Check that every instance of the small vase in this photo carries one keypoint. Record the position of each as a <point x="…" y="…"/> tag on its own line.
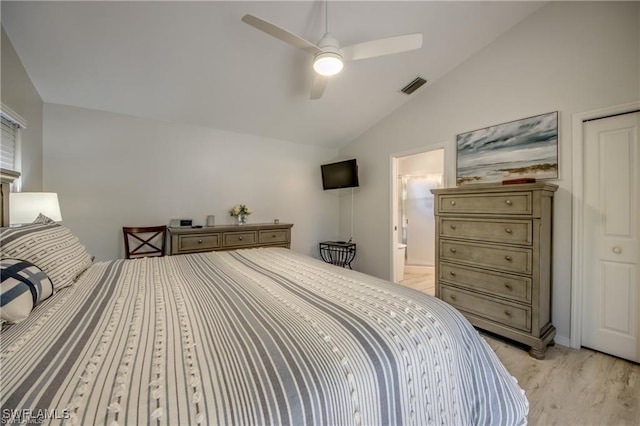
<point x="242" y="219"/>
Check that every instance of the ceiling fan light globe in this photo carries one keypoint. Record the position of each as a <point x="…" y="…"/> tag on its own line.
<point x="328" y="64"/>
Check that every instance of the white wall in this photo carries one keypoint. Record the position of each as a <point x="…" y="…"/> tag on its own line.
<point x="19" y="94"/>
<point x="430" y="162"/>
<point x="568" y="57"/>
<point x="427" y="169"/>
<point x="114" y="170"/>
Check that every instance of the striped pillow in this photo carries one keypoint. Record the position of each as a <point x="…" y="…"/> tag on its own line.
<point x="51" y="246"/>
<point x="24" y="285"/>
<point x="42" y="219"/>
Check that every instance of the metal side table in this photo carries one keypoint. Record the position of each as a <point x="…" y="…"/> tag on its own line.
<point x="338" y="253"/>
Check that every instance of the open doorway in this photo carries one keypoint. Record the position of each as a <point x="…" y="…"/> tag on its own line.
<point x="414" y="222"/>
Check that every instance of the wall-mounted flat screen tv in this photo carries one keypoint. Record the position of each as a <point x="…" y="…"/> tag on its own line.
<point x="343" y="174"/>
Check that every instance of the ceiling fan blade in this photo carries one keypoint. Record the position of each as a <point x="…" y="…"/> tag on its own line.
<point x="280" y="33"/>
<point x="319" y="84"/>
<point x="381" y="47"/>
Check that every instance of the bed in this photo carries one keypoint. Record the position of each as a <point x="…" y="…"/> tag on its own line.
<point x="261" y="336"/>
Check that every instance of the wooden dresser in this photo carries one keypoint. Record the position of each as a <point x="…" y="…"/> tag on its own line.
<point x="493" y="258"/>
<point x="229" y="237"/>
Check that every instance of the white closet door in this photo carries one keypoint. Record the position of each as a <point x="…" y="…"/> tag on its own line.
<point x="611" y="240"/>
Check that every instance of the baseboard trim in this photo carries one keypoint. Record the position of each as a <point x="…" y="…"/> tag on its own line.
<point x="563" y="341"/>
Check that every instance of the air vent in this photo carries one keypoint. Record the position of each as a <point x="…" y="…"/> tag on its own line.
<point x="413" y="86"/>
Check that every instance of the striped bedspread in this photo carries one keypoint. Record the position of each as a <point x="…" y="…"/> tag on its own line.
<point x="250" y="337"/>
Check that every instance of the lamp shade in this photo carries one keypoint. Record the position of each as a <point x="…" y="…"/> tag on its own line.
<point x="24" y="207"/>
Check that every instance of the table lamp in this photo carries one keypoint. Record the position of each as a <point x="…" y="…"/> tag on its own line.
<point x="24" y="207"/>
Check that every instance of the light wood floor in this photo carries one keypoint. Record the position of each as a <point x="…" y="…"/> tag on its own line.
<point x="421" y="278"/>
<point x="577" y="387"/>
<point x="574" y="386"/>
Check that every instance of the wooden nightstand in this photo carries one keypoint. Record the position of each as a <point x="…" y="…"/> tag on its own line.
<point x="229" y="237"/>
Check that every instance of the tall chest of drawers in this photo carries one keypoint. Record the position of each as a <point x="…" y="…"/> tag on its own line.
<point x="493" y="258"/>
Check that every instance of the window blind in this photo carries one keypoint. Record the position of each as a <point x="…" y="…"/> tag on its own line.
<point x="8" y="144"/>
<point x="11" y="123"/>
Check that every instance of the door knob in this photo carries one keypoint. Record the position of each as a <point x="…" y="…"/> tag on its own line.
<point x="617" y="250"/>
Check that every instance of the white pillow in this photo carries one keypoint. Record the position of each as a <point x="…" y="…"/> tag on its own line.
<point x="42" y="219"/>
<point x="51" y="247"/>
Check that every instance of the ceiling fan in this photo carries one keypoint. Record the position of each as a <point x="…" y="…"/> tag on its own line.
<point x="328" y="56"/>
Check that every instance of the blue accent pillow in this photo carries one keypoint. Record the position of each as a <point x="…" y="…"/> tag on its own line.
<point x="24" y="285"/>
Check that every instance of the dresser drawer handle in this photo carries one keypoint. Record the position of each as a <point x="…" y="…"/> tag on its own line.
<point x="508" y="287"/>
<point x="453" y="203"/>
<point x="199" y="241"/>
<point x="508" y="313"/>
<point x="453" y="297"/>
<point x="273" y="236"/>
<point x="240" y="238"/>
<point x="508" y="258"/>
<point x="508" y="202"/>
<point x="452" y="249"/>
<point x="452" y="226"/>
<point x="453" y="274"/>
<point x="508" y="230"/>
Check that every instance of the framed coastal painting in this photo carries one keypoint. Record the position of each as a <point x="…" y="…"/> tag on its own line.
<point x="515" y="151"/>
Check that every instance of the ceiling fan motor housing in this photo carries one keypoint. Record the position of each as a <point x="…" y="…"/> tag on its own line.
<point x="328" y="61"/>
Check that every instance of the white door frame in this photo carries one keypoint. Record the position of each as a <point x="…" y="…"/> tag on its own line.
<point x="577" y="265"/>
<point x="449" y="167"/>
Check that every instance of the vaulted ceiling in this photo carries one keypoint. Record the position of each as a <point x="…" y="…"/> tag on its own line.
<point x="197" y="63"/>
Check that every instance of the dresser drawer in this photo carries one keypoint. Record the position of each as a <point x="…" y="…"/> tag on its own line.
<point x="512" y="259"/>
<point x="235" y="239"/>
<point x="502" y="285"/>
<point x="230" y="237"/>
<point x="499" y="203"/>
<point x="198" y="242"/>
<point x="272" y="236"/>
<point x="513" y="316"/>
<point x="504" y="231"/>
